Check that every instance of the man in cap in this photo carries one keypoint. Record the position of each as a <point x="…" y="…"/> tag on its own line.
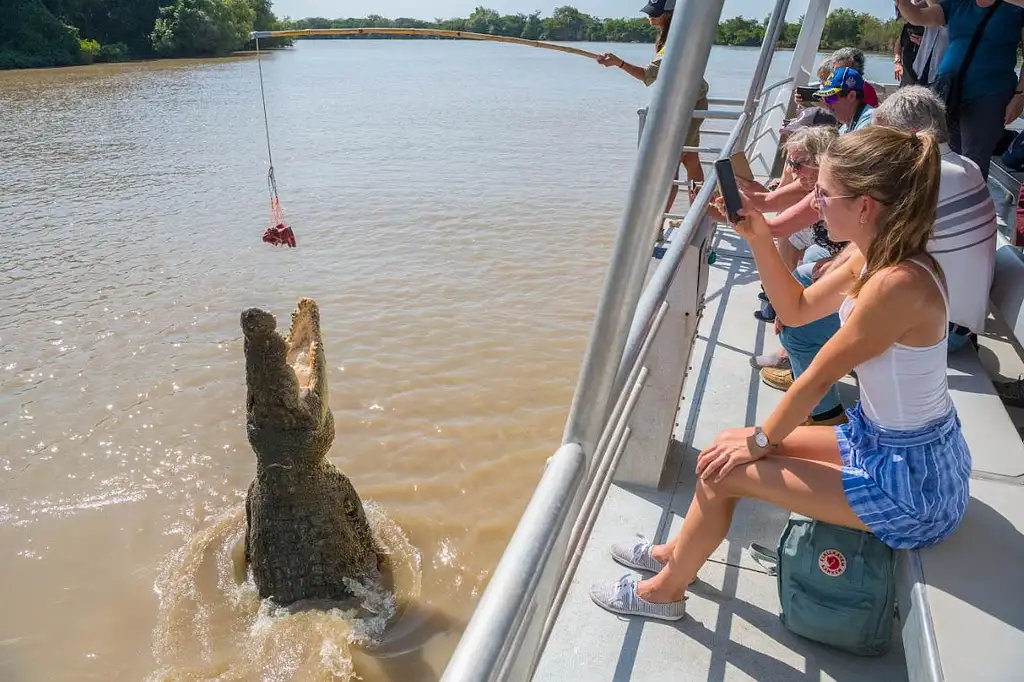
<point x="843" y="95"/>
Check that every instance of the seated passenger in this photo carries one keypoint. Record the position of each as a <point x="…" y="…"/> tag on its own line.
<point x="901" y="468"/>
<point x="964" y="237"/>
<point x="854" y="58"/>
<point x="806" y="253"/>
<point x="843" y="95"/>
<point x="963" y="241"/>
<point x="824" y="69"/>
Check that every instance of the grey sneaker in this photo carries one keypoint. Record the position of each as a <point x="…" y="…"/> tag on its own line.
<point x="620" y="597"/>
<point x="636" y="555"/>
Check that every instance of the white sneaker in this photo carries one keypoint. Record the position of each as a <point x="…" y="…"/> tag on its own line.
<point x="620" y="597"/>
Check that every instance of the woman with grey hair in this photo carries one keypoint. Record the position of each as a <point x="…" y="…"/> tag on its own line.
<point x="854" y="58"/>
<point x="805" y="252"/>
<point x="915" y="108"/>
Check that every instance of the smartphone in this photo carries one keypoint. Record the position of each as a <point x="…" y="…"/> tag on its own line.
<point x="728" y="189"/>
<point x="806" y="92"/>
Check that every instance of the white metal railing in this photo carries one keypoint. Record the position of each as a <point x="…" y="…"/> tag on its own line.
<point x="515" y="616"/>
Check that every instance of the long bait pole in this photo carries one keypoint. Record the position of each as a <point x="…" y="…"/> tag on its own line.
<point x="435" y="32"/>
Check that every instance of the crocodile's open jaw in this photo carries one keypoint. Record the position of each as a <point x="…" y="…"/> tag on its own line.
<point x="303" y="341"/>
<point x="286" y="378"/>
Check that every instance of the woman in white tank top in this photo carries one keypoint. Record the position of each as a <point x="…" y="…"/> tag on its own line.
<point x="900" y="468"/>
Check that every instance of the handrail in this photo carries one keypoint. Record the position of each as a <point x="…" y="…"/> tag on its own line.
<point x="764" y="58"/>
<point x="505" y="638"/>
<point x="487" y="648"/>
<point x="661" y="281"/>
<point x="776" y="85"/>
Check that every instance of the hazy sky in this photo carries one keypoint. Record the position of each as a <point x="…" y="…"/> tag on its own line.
<point x="431" y="9"/>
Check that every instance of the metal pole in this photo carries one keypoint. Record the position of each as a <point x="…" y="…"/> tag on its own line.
<point x="657" y="288"/>
<point x="764" y="61"/>
<point x="679" y="81"/>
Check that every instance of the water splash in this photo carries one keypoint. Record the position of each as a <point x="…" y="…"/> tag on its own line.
<point x="212" y="626"/>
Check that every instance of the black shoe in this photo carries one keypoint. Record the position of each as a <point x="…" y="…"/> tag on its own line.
<point x="763" y="296"/>
<point x="766" y="315"/>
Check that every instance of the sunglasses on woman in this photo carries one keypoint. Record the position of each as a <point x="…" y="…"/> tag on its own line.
<point x="797" y="165"/>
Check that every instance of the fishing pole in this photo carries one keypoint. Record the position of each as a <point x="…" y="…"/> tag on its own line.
<point x="435" y="32"/>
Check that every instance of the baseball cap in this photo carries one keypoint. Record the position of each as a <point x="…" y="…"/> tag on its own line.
<point x="811" y="116"/>
<point x="844" y="78"/>
<point x="655" y="8"/>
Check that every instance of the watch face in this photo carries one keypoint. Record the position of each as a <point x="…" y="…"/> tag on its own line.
<point x="761" y="439"/>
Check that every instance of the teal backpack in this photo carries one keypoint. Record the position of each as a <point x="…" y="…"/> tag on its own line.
<point x="837" y="585"/>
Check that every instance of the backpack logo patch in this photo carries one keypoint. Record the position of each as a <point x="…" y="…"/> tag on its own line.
<point x="832" y="563"/>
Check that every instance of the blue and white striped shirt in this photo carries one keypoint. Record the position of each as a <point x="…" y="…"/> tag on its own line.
<point x="964" y="239"/>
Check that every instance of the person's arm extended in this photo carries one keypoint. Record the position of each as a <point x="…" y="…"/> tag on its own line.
<point x="795" y="218"/>
<point x="642" y="74"/>
<point x="887" y="307"/>
<point x="781" y="199"/>
<point x="932" y="15"/>
<point x="795" y="305"/>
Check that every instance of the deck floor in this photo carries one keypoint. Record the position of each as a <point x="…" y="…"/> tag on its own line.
<point x="731" y="631"/>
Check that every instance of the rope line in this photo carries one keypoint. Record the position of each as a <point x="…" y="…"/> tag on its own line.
<point x="271" y="180"/>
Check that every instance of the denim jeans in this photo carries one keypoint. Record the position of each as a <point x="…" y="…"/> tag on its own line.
<point x="803" y="343"/>
<point x="978" y="128"/>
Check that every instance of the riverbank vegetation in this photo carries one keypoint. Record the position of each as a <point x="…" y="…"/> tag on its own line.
<point x="68" y="32"/>
<point x="843" y="28"/>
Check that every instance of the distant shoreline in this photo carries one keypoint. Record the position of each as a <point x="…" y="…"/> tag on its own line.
<point x="240" y="54"/>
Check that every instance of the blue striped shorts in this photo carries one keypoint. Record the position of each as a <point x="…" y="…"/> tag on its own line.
<point x="910" y="488"/>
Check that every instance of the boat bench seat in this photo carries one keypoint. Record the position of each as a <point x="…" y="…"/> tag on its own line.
<point x="961" y="601"/>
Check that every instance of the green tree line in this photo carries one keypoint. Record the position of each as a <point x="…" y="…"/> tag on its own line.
<point x="843" y="28"/>
<point x="40" y="33"/>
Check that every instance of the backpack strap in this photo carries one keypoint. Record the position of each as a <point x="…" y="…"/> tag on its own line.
<point x="766" y="558"/>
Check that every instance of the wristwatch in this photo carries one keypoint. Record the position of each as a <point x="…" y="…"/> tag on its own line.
<point x="761" y="439"/>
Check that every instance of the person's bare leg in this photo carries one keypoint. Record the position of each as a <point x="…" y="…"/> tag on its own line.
<point x="815" y="444"/>
<point x="694" y="170"/>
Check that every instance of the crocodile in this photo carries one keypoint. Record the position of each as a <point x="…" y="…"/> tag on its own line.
<point x="307" y="535"/>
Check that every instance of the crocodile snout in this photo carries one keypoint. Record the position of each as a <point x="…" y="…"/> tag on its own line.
<point x="257" y="323"/>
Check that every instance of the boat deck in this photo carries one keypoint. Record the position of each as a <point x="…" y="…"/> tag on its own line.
<point x="731" y="631"/>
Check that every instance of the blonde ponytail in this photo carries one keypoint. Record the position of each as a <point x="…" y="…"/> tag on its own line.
<point x="901" y="172"/>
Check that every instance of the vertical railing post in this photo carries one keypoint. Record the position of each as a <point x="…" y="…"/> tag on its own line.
<point x="686" y="55"/>
<point x="803" y="64"/>
<point x="764" y="63"/>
